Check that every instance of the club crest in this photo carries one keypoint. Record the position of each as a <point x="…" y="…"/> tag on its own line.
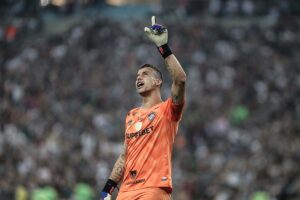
<point x="151" y="116"/>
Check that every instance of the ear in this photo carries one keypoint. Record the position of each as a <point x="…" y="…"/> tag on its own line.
<point x="158" y="81"/>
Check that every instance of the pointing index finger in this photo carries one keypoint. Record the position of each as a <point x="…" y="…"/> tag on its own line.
<point x="153" y="20"/>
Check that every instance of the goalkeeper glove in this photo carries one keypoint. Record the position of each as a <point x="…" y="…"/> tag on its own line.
<point x="159" y="35"/>
<point x="108" y="189"/>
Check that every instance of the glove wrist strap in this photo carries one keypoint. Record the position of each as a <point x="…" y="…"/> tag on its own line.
<point x="110" y="186"/>
<point x="164" y="50"/>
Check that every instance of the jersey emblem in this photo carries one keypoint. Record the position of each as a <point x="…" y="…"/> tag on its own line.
<point x="138" y="126"/>
<point x="129" y="122"/>
<point x="132" y="174"/>
<point x="151" y="116"/>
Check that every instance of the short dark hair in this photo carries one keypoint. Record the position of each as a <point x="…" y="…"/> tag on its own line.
<point x="157" y="71"/>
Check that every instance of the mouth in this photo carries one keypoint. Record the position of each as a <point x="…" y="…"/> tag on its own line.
<point x="140" y="84"/>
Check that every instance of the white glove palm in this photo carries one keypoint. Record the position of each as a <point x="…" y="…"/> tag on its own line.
<point x="157" y="33"/>
<point x="105" y="196"/>
<point x="108" y="197"/>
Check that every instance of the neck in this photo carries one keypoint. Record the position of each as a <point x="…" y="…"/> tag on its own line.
<point x="151" y="100"/>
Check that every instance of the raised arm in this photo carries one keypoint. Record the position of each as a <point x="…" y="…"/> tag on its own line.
<point x="159" y="35"/>
<point x="178" y="76"/>
<point x="115" y="176"/>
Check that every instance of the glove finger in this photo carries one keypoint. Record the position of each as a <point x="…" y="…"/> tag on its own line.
<point x="147" y="30"/>
<point x="153" y="20"/>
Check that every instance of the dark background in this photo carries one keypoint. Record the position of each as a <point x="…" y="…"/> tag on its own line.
<point x="68" y="79"/>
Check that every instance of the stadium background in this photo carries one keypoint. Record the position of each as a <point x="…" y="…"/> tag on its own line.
<point x="67" y="80"/>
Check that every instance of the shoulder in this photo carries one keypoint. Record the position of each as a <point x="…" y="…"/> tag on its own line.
<point x="167" y="102"/>
<point x="132" y="112"/>
<point x="170" y="102"/>
<point x="163" y="106"/>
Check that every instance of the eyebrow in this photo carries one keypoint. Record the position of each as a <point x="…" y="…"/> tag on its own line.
<point x="145" y="71"/>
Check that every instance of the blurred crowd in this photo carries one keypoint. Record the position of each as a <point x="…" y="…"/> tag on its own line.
<point x="190" y="7"/>
<point x="64" y="99"/>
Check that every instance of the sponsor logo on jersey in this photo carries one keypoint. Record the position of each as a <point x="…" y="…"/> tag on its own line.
<point x="164" y="178"/>
<point x="140" y="133"/>
<point x="135" y="181"/>
<point x="138" y="126"/>
<point x="151" y="116"/>
<point x="132" y="174"/>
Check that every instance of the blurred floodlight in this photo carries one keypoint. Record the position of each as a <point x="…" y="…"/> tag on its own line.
<point x="44" y="2"/>
<point x="116" y="2"/>
<point x="124" y="2"/>
<point x="58" y="2"/>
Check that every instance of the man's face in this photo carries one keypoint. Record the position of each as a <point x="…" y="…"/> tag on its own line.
<point x="146" y="81"/>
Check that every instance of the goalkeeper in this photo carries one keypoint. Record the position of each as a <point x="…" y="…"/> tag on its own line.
<point x="145" y="165"/>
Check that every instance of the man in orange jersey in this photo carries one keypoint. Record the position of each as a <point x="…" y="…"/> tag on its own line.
<point x="145" y="163"/>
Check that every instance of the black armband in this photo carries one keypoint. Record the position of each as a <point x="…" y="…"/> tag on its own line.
<point x="164" y="50"/>
<point x="110" y="186"/>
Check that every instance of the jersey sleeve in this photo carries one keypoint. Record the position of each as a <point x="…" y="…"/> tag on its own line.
<point x="173" y="111"/>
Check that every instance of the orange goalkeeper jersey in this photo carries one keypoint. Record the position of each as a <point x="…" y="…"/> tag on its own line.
<point x="149" y="135"/>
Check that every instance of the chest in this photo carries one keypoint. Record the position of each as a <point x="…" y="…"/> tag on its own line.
<point x="143" y="121"/>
